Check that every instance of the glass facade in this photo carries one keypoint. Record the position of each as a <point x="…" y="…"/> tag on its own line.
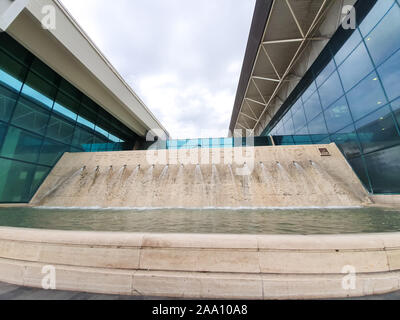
<point x="211" y="143"/>
<point x="354" y="101"/>
<point x="41" y="117"/>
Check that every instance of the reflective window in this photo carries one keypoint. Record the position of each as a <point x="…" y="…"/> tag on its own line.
<point x="7" y="103"/>
<point x="366" y="97"/>
<point x="390" y="75"/>
<point x="331" y="90"/>
<point x="312" y="107"/>
<point x="338" y="116"/>
<point x="348" y="47"/>
<point x="351" y="76"/>
<point x="384" y="40"/>
<point x="30" y="116"/>
<point x="364" y="121"/>
<point x="41" y="117"/>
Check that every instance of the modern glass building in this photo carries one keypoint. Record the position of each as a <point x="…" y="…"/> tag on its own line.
<point x="42" y="116"/>
<point x="350" y="95"/>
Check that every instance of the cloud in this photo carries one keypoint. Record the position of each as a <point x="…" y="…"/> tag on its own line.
<point x="182" y="57"/>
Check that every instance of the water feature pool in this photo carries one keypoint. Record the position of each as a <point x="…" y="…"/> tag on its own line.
<point x="210" y="221"/>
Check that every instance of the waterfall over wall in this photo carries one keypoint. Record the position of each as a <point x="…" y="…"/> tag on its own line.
<point x="284" y="176"/>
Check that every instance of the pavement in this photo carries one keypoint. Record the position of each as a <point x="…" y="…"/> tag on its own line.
<point x="13" y="292"/>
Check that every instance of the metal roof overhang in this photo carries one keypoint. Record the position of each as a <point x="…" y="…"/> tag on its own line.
<point x="285" y="39"/>
<point x="71" y="53"/>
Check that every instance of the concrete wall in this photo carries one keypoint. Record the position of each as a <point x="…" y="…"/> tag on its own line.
<point x="287" y="176"/>
<point x="202" y="266"/>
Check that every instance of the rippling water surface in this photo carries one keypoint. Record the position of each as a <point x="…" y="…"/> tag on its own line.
<point x="239" y="221"/>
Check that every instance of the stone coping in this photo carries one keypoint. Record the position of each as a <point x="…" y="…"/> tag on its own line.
<point x="201" y="265"/>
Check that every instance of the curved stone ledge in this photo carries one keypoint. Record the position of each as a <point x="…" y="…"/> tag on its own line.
<point x="202" y="266"/>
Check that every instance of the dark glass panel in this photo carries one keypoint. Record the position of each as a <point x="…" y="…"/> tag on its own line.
<point x="338" y="116"/>
<point x="45" y="72"/>
<point x="396" y="109"/>
<point x="15" y="181"/>
<point x="68" y="89"/>
<point x="51" y="152"/>
<point x="59" y="129"/>
<point x="390" y="75"/>
<point x="14" y="49"/>
<point x="312" y="107"/>
<point x="283" y="140"/>
<point x="40" y="174"/>
<point x="331" y="90"/>
<point x="384" y="40"/>
<point x="359" y="168"/>
<point x="21" y="145"/>
<point x="366" y="97"/>
<point x="302" y="139"/>
<point x="355" y="68"/>
<point x="377" y="131"/>
<point x="347" y="141"/>
<point x="7" y="103"/>
<point x="12" y="73"/>
<point x="66" y="107"/>
<point x="82" y="138"/>
<point x="29" y="116"/>
<point x="384" y="170"/>
<point x="3" y="130"/>
<point x="39" y="91"/>
<point x="88" y="114"/>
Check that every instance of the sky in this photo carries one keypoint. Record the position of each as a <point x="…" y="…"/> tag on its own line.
<point x="182" y="57"/>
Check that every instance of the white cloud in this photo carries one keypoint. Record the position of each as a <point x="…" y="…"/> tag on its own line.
<point x="182" y="57"/>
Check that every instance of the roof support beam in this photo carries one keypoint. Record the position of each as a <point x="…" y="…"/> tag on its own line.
<point x="254" y="101"/>
<point x="266" y="79"/>
<point x="295" y="40"/>
<point x="295" y="18"/>
<point x="247" y="116"/>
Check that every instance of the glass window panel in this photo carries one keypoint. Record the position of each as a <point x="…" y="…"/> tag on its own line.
<point x="396" y="110"/>
<point x="14" y="49"/>
<point x="3" y="129"/>
<point x="68" y="89"/>
<point x="302" y="131"/>
<point x="331" y="90"/>
<point x="289" y="127"/>
<point x="320" y="139"/>
<point x="376" y="14"/>
<point x="15" y="181"/>
<point x="51" y="152"/>
<point x="29" y="116"/>
<point x="302" y="139"/>
<point x="347" y="141"/>
<point x="7" y="103"/>
<point x="60" y="129"/>
<point x="297" y="107"/>
<point x="384" y="40"/>
<point x="21" y="145"/>
<point x="338" y="116"/>
<point x="11" y="73"/>
<point x="348" y="47"/>
<point x="378" y="131"/>
<point x="390" y="75"/>
<point x="66" y="107"/>
<point x="40" y="174"/>
<point x="387" y="180"/>
<point x="318" y="126"/>
<point x="366" y="97"/>
<point x="45" y="72"/>
<point x="283" y="140"/>
<point x="39" y="91"/>
<point x="82" y="138"/>
<point x="355" y="68"/>
<point x="359" y="168"/>
<point x="325" y="73"/>
<point x="312" y="107"/>
<point x="299" y="120"/>
<point x="310" y="90"/>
